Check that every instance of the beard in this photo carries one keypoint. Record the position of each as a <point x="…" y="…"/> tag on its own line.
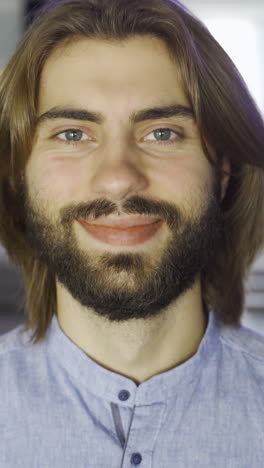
<point x="127" y="285"/>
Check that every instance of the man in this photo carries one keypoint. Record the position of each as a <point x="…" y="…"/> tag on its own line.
<point x="131" y="181"/>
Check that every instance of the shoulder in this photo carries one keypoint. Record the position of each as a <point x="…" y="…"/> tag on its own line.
<point x="15" y="346"/>
<point x="23" y="365"/>
<point x="244" y="341"/>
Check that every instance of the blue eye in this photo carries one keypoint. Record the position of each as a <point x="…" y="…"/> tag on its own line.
<point x="72" y="136"/>
<point x="165" y="134"/>
<point x="162" y="136"/>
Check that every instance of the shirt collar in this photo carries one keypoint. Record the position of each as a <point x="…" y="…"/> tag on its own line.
<point x="107" y="385"/>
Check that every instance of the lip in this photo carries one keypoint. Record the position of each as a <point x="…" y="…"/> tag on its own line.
<point x="122" y="236"/>
<point x="122" y="222"/>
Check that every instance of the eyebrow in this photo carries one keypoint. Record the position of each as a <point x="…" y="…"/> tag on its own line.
<point x="154" y="113"/>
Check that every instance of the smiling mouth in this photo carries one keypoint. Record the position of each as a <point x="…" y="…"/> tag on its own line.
<point x="122" y="235"/>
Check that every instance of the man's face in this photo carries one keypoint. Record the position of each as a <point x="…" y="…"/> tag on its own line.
<point x="140" y="171"/>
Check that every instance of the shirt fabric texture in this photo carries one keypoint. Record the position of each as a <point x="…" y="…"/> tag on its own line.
<point x="61" y="409"/>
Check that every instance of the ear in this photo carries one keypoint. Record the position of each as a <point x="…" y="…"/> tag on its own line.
<point x="225" y="177"/>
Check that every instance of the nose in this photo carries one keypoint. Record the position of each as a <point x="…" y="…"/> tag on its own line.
<point x="119" y="175"/>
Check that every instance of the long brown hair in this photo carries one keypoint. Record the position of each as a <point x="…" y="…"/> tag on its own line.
<point x="226" y="115"/>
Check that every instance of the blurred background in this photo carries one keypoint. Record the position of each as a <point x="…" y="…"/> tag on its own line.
<point x="238" y="25"/>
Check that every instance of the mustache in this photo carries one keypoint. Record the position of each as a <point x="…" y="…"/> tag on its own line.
<point x="134" y="205"/>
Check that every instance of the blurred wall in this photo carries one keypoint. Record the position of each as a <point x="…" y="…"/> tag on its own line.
<point x="11" y="27"/>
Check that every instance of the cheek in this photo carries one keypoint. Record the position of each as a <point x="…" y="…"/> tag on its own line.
<point x="185" y="180"/>
<point x="56" y="183"/>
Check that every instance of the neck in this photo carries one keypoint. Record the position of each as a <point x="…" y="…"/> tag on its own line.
<point x="137" y="349"/>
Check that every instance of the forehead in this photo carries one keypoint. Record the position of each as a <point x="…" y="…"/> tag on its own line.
<point x="120" y="73"/>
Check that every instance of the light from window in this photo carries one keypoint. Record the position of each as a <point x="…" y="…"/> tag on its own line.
<point x="239" y="38"/>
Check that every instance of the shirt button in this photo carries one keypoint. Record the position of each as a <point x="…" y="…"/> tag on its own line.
<point x="123" y="395"/>
<point x="136" y="459"/>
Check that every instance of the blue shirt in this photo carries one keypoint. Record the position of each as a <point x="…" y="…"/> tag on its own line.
<point x="60" y="409"/>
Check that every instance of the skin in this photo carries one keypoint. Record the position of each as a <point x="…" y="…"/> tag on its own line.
<point x="117" y="79"/>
